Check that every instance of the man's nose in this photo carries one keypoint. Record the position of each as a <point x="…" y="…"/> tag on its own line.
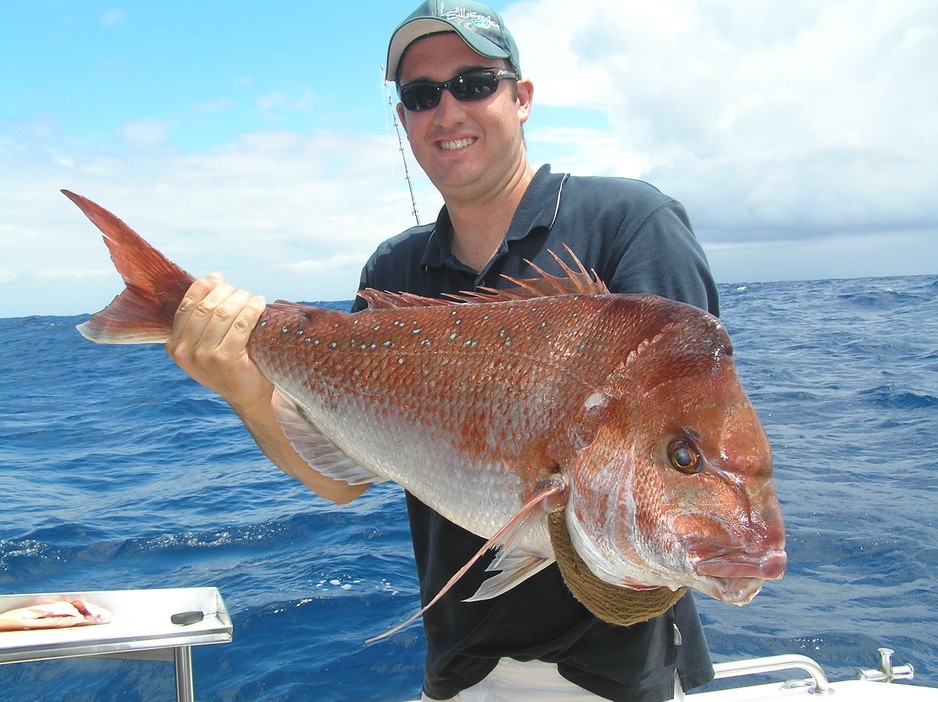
<point x="449" y="110"/>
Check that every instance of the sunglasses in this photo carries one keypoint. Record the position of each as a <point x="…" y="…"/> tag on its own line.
<point x="471" y="85"/>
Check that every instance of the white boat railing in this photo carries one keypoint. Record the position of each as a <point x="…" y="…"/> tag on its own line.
<point x="756" y="666"/>
<point x="770" y="664"/>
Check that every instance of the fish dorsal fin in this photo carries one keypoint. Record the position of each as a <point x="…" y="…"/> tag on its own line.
<point x="297" y="307"/>
<point x="309" y="312"/>
<point x="577" y="281"/>
<point x="379" y="300"/>
<point x="318" y="452"/>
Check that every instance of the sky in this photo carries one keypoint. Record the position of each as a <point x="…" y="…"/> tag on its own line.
<point x="257" y="140"/>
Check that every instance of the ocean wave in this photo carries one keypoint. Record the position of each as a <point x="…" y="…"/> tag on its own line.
<point x="890" y="397"/>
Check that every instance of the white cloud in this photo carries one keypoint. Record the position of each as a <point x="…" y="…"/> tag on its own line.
<point x="779" y="120"/>
<point x="286" y="215"/>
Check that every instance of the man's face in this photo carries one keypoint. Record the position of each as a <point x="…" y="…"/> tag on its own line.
<point x="468" y="149"/>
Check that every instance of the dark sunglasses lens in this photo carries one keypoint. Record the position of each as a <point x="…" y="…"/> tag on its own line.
<point x="474" y="86"/>
<point x="421" y="96"/>
<point x="469" y="86"/>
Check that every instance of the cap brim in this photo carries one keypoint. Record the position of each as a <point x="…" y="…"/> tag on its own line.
<point x="408" y="33"/>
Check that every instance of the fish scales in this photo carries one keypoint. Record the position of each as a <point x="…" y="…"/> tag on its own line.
<point x="522" y="371"/>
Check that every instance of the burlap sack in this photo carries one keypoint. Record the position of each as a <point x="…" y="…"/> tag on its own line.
<point x="615" y="605"/>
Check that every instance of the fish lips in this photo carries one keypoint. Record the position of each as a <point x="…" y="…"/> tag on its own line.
<point x="735" y="576"/>
<point x="738" y="563"/>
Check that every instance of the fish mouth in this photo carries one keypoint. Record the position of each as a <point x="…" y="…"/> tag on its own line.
<point x="737" y="591"/>
<point x="735" y="575"/>
<point x="739" y="563"/>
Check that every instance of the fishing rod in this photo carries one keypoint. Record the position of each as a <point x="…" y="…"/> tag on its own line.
<point x="400" y="146"/>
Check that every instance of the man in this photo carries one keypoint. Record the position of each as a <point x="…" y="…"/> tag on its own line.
<point x="463" y="105"/>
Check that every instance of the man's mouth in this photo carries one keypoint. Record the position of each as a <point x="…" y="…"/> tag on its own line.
<point x="456" y="144"/>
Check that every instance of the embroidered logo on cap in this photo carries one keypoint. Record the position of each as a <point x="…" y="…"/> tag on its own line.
<point x="480" y="21"/>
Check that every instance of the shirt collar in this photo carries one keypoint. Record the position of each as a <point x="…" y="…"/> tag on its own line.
<point x="538" y="208"/>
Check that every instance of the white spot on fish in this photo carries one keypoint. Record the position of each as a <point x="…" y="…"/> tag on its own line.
<point x="597" y="399"/>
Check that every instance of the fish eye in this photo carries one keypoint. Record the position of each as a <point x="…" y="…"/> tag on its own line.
<point x="684" y="456"/>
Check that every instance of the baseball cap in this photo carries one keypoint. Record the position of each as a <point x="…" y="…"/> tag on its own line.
<point x="478" y="25"/>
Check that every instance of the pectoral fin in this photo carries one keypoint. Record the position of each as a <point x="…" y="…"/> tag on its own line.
<point x="320" y="453"/>
<point x="516" y="566"/>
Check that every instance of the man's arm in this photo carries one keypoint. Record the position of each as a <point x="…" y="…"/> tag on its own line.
<point x="209" y="342"/>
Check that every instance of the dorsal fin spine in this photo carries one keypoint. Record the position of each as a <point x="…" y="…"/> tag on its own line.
<point x="576" y="282"/>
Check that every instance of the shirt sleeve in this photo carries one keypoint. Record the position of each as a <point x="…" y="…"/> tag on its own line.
<point x="661" y="256"/>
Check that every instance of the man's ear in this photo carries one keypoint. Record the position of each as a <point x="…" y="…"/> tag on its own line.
<point x="525" y="99"/>
<point x="402" y="116"/>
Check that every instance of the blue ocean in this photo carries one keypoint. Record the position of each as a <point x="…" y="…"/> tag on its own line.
<point x="118" y="472"/>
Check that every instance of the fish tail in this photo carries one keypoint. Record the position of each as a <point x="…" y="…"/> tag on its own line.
<point x="143" y="313"/>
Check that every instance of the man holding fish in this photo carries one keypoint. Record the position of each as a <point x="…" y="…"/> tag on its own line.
<point x="463" y="102"/>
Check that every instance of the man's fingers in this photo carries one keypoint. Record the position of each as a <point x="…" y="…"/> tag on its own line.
<point x="244" y="311"/>
<point x="190" y="305"/>
<point x="213" y="316"/>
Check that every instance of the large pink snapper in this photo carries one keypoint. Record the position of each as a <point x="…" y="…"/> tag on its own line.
<point x="625" y="409"/>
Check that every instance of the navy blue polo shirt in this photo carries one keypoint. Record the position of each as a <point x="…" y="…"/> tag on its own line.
<point x="638" y="241"/>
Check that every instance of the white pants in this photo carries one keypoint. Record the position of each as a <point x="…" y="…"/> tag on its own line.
<point x="533" y="681"/>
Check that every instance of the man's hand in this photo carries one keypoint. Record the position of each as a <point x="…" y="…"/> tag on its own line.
<point x="209" y="342"/>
